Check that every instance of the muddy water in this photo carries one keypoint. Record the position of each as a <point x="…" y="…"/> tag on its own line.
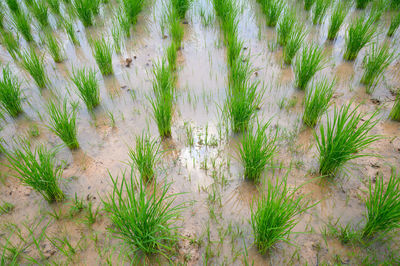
<point x="218" y="217"/>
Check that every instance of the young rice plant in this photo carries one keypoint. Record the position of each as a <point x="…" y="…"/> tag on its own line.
<point x="10" y="93"/>
<point x="88" y="87"/>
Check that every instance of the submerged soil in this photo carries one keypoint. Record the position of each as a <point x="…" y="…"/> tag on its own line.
<point x="216" y="222"/>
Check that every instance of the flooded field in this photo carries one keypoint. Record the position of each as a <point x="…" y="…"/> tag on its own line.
<point x="200" y="160"/>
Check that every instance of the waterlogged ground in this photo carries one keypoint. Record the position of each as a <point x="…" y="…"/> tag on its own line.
<point x="216" y="222"/>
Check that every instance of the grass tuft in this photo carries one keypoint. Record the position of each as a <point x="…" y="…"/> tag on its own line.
<point x="285" y="26"/>
<point x="320" y="9"/>
<point x="308" y="62"/>
<point x="337" y="17"/>
<point x="132" y="9"/>
<point x="383" y="206"/>
<point x="273" y="10"/>
<point x="70" y="30"/>
<point x="54" y="6"/>
<point x="294" y="42"/>
<point x="54" y="48"/>
<point x="362" y="4"/>
<point x="63" y="123"/>
<point x="181" y="7"/>
<point x="37" y="169"/>
<point x="145" y="156"/>
<point x="10" y="93"/>
<point x="143" y="219"/>
<point x="395" y="113"/>
<point x="102" y="52"/>
<point x="34" y="64"/>
<point x="88" y="87"/>
<point x="360" y="32"/>
<point x="316" y="101"/>
<point x="394" y="24"/>
<point x="84" y="11"/>
<point x="276" y="214"/>
<point x="308" y="4"/>
<point x="256" y="151"/>
<point x="172" y="56"/>
<point x="10" y="43"/>
<point x="343" y="138"/>
<point x="14" y="6"/>
<point x="375" y="63"/>
<point x="175" y="28"/>
<point x="22" y="22"/>
<point x="40" y="12"/>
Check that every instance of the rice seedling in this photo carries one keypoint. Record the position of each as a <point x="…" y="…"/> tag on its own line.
<point x="10" y="93"/>
<point x="321" y="6"/>
<point x="285" y="26"/>
<point x="164" y="94"/>
<point x="337" y="17"/>
<point x="116" y="34"/>
<point x="6" y="207"/>
<point x="21" y="22"/>
<point x="13" y="5"/>
<point x="84" y="11"/>
<point x="88" y="87"/>
<point x="124" y="22"/>
<point x="239" y="73"/>
<point x="344" y="137"/>
<point x="143" y="219"/>
<point x="360" y="32"/>
<point x="54" y="48"/>
<point x="362" y="4"/>
<point x="175" y="28"/>
<point x="40" y="12"/>
<point x="275" y="214"/>
<point x="95" y="7"/>
<point x="145" y="156"/>
<point x="2" y="15"/>
<point x="34" y="64"/>
<point x="308" y="62"/>
<point x="10" y="43"/>
<point x="132" y="9"/>
<point x="63" y="123"/>
<point x="375" y="63"/>
<point x="308" y="4"/>
<point x="395" y="113"/>
<point x="273" y="10"/>
<point x="293" y="44"/>
<point x="102" y="52"/>
<point x="256" y="151"/>
<point x="37" y="169"/>
<point x="383" y="206"/>
<point x="54" y="6"/>
<point x="394" y="24"/>
<point x="234" y="49"/>
<point x="70" y="30"/>
<point x="377" y="9"/>
<point x="172" y="56"/>
<point x="316" y="101"/>
<point x="181" y="7"/>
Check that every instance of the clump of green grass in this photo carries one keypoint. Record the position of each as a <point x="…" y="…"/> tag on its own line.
<point x="37" y="169"/>
<point x="54" y="6"/>
<point x="116" y="34"/>
<point x="234" y="48"/>
<point x="337" y="17"/>
<point x="143" y="219"/>
<point x="102" y="52"/>
<point x="88" y="87"/>
<point x="40" y="12"/>
<point x="181" y="7"/>
<point x="175" y="28"/>
<point x="360" y="32"/>
<point x="394" y="24"/>
<point x="54" y="48"/>
<point x="321" y="6"/>
<point x="84" y="11"/>
<point x="395" y="113"/>
<point x="70" y="30"/>
<point x="10" y="43"/>
<point x="383" y="206"/>
<point x="308" y="4"/>
<point x="378" y="8"/>
<point x="124" y="22"/>
<point x="273" y="10"/>
<point x="132" y="9"/>
<point x="14" y="6"/>
<point x="275" y="214"/>
<point x="145" y="156"/>
<point x="95" y="7"/>
<point x="34" y="64"/>
<point x="2" y="15"/>
<point x="309" y="61"/>
<point x="63" y="123"/>
<point x="362" y="4"/>
<point x="293" y="44"/>
<point x="256" y="151"/>
<point x="343" y="138"/>
<point x="21" y="22"/>
<point x="6" y="207"/>
<point x="10" y="93"/>
<point x="316" y="101"/>
<point x="162" y="104"/>
<point x="285" y="26"/>
<point x="172" y="56"/>
<point x="375" y="63"/>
